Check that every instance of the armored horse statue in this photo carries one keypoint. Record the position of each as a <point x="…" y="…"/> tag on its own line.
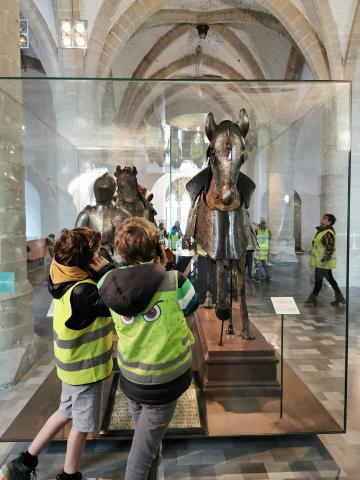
<point x="132" y="200"/>
<point x="218" y="219"/>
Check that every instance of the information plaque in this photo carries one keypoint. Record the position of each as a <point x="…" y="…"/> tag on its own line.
<point x="285" y="306"/>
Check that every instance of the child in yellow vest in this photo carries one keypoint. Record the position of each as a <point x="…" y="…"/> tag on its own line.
<point x="323" y="258"/>
<point x="148" y="305"/>
<point x="262" y="251"/>
<point x="83" y="352"/>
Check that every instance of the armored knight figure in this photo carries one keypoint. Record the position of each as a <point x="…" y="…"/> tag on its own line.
<point x="104" y="216"/>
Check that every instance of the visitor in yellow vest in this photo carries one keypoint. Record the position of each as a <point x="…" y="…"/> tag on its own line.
<point x="83" y="352"/>
<point x="323" y="258"/>
<point x="148" y="305"/>
<point x="176" y="235"/>
<point x="262" y="251"/>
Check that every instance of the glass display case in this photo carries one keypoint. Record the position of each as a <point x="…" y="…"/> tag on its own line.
<point x="58" y="136"/>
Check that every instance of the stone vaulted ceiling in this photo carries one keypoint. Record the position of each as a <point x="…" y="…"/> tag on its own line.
<point x="247" y="39"/>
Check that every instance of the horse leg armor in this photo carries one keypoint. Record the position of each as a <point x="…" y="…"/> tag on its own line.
<point x="246" y="331"/>
<point x="222" y="308"/>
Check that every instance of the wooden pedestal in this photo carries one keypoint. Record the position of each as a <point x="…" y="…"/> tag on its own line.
<point x="249" y="364"/>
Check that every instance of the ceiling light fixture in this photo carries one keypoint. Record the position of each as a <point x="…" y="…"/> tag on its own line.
<point x="202" y="30"/>
<point x="73" y="33"/>
<point x="24" y="33"/>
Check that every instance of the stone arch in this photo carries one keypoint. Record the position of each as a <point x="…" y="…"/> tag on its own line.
<point x="303" y="35"/>
<point x="352" y="51"/>
<point x="166" y="72"/>
<point x="174" y="34"/>
<point x="41" y="39"/>
<point x="286" y="13"/>
<point x="230" y="15"/>
<point x="128" y="23"/>
<point x="295" y="64"/>
<point x="181" y="63"/>
<point x="242" y="49"/>
<point x="174" y="91"/>
<point x="331" y="38"/>
<point x="98" y="35"/>
<point x="284" y="18"/>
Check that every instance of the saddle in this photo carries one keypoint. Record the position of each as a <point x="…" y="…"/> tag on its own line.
<point x="201" y="182"/>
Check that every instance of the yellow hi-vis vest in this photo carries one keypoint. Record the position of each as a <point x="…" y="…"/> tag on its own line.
<point x="81" y="356"/>
<point x="318" y="251"/>
<point x="154" y="346"/>
<point x="262" y="252"/>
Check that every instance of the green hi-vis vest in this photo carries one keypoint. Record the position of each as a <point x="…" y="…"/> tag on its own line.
<point x="175" y="237"/>
<point x="318" y="251"/>
<point x="155" y="346"/>
<point x="81" y="356"/>
<point x="262" y="252"/>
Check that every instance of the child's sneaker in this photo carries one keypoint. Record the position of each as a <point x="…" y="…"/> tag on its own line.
<point x="17" y="470"/>
<point x="63" y="476"/>
<point x="154" y="468"/>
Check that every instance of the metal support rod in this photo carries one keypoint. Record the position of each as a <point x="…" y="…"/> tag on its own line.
<point x="221" y="334"/>
<point x="230" y="330"/>
<point x="282" y="367"/>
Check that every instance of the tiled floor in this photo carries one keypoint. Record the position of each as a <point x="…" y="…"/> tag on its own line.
<point x="314" y="347"/>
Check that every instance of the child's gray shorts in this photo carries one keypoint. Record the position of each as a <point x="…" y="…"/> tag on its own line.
<point x="82" y="403"/>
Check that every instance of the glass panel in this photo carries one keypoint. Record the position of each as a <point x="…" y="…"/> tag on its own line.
<point x="67" y="133"/>
<point x="297" y="151"/>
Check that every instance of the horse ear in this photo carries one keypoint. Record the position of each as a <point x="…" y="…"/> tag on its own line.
<point x="243" y="122"/>
<point x="117" y="171"/>
<point x="210" y="126"/>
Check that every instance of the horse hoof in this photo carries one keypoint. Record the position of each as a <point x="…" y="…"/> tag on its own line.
<point x="222" y="313"/>
<point x="248" y="333"/>
<point x="208" y="301"/>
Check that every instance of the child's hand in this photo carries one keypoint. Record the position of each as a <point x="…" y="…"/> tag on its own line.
<point x="163" y="259"/>
<point x="98" y="263"/>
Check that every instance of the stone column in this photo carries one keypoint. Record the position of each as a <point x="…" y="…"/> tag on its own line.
<point x="18" y="344"/>
<point x="77" y="107"/>
<point x="258" y="173"/>
<point x="334" y="172"/>
<point x="281" y="167"/>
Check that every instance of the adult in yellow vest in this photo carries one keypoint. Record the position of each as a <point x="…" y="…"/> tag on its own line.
<point x="83" y="352"/>
<point x="262" y="251"/>
<point x="148" y="306"/>
<point x="323" y="258"/>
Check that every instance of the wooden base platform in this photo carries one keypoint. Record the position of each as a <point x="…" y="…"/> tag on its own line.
<point x="226" y="413"/>
<point x="250" y="364"/>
